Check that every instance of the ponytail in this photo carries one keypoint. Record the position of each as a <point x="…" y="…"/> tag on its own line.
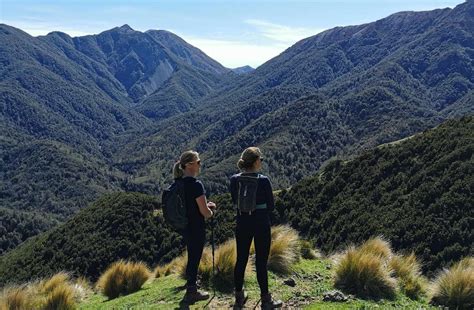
<point x="177" y="170"/>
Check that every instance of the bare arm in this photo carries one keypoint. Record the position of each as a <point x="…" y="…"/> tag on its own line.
<point x="203" y="208"/>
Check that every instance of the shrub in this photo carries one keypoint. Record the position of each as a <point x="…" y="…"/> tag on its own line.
<point x="454" y="288"/>
<point x="60" y="297"/>
<point x="364" y="273"/>
<point x="408" y="271"/>
<point x="123" y="278"/>
<point x="284" y="250"/>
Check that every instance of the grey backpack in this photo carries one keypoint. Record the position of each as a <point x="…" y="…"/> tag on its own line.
<point x="247" y="192"/>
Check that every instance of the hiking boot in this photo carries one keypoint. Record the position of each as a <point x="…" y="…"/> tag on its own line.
<point x="193" y="294"/>
<point x="240" y="299"/>
<point x="269" y="303"/>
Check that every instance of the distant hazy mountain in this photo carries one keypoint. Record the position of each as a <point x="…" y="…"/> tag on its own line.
<point x="243" y="70"/>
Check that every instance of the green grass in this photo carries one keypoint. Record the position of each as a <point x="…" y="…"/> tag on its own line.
<point x="313" y="278"/>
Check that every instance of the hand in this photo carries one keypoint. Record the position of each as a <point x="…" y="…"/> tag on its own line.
<point x="211" y="205"/>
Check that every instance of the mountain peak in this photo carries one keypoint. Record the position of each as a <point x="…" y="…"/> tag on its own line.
<point x="125" y="29"/>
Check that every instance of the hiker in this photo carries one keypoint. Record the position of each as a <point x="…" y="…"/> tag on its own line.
<point x="198" y="209"/>
<point x="253" y="198"/>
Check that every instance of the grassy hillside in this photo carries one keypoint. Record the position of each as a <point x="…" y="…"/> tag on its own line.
<point x="313" y="279"/>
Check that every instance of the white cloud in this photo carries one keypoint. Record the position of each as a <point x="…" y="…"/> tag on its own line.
<point x="39" y="28"/>
<point x="269" y="41"/>
<point x="282" y="33"/>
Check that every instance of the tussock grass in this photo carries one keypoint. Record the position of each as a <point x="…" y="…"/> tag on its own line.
<point x="454" y="287"/>
<point x="284" y="249"/>
<point x="57" y="292"/>
<point x="123" y="278"/>
<point x="47" y="286"/>
<point x="364" y="271"/>
<point x="308" y="251"/>
<point x="160" y="271"/>
<point x="225" y="259"/>
<point x="377" y="246"/>
<point x="61" y="297"/>
<point x="408" y="270"/>
<point x="15" y="298"/>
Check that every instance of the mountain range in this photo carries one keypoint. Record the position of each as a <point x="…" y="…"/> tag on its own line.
<point x="84" y="116"/>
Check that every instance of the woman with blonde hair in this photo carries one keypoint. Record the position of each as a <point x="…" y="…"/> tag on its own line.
<point x="252" y="196"/>
<point x="185" y="170"/>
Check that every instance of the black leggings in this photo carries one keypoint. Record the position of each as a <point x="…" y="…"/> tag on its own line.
<point x="195" y="237"/>
<point x="255" y="226"/>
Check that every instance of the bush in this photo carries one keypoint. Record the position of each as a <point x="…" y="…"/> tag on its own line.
<point x="284" y="250"/>
<point x="365" y="273"/>
<point x="408" y="271"/>
<point x="454" y="288"/>
<point x="123" y="278"/>
<point x="60" y="297"/>
<point x="15" y="298"/>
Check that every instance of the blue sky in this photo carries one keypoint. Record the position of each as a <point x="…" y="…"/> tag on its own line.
<point x="235" y="33"/>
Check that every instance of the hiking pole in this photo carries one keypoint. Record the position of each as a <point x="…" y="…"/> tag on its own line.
<point x="213" y="249"/>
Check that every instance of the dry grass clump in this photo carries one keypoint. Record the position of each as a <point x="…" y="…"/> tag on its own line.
<point x="284" y="249"/>
<point x="408" y="271"/>
<point x="15" y="298"/>
<point x="61" y="297"/>
<point x="364" y="271"/>
<point x="377" y="246"/>
<point x="364" y="275"/>
<point x="454" y="287"/>
<point x="308" y="251"/>
<point x="47" y="286"/>
<point x="57" y="292"/>
<point x="123" y="278"/>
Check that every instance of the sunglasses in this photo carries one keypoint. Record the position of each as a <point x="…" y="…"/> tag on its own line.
<point x="198" y="162"/>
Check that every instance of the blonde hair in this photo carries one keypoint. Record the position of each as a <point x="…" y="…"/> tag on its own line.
<point x="248" y="158"/>
<point x="185" y="158"/>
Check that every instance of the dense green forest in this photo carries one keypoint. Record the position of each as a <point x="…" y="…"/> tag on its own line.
<point x="121" y="225"/>
<point x="418" y="193"/>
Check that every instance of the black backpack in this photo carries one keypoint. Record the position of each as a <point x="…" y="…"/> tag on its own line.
<point x="174" y="206"/>
<point x="247" y="192"/>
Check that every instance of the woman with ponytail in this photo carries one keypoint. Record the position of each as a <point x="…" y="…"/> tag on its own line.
<point x="186" y="169"/>
<point x="253" y="197"/>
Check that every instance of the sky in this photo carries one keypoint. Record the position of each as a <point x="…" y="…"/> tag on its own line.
<point x="235" y="33"/>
